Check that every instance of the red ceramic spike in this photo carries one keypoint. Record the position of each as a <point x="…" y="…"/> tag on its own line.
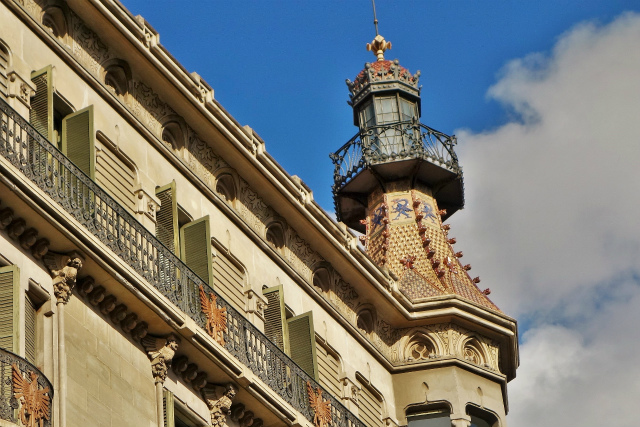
<point x="467" y="267"/>
<point x="476" y="280"/>
<point x="459" y="254"/>
<point x="452" y="241"/>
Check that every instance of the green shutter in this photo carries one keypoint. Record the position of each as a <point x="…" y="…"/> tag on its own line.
<point x="195" y="248"/>
<point x="41" y="113"/>
<point x="302" y="342"/>
<point x="9" y="308"/>
<point x="78" y="140"/>
<point x="167" y="217"/>
<point x="167" y="403"/>
<point x="275" y="324"/>
<point x="30" y="329"/>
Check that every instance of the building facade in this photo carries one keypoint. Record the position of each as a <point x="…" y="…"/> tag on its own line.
<point x="158" y="267"/>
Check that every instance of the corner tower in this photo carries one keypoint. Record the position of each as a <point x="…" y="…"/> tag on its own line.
<point x="397" y="180"/>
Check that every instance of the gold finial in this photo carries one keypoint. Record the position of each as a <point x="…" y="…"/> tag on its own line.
<point x="379" y="45"/>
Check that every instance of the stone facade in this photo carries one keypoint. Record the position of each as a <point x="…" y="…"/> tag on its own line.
<point x="118" y="348"/>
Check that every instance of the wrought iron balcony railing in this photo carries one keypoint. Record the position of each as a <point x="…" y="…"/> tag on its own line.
<point x="393" y="142"/>
<point x="26" y="395"/>
<point x="43" y="164"/>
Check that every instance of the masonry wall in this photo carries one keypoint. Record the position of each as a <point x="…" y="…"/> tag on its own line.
<point x="109" y="381"/>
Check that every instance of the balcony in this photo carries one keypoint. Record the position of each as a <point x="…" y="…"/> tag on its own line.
<point x="393" y="152"/>
<point x="26" y="395"/>
<point x="95" y="210"/>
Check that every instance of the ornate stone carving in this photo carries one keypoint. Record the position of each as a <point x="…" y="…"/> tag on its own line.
<point x="256" y="303"/>
<point x="219" y="400"/>
<point x="88" y="49"/>
<point x="321" y="408"/>
<point x="146" y="204"/>
<point x="160" y="351"/>
<point x="300" y="255"/>
<point x="252" y="208"/>
<point x="147" y="106"/>
<point x="34" y="401"/>
<point x="64" y="270"/>
<point x="216" y="317"/>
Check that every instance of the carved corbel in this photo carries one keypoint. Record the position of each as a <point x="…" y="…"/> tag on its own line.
<point x="256" y="303"/>
<point x="64" y="270"/>
<point x="219" y="399"/>
<point x="146" y="204"/>
<point x="350" y="390"/>
<point x="160" y="351"/>
<point x="20" y="89"/>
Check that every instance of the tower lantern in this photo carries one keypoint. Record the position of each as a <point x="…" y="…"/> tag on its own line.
<point x="397" y="180"/>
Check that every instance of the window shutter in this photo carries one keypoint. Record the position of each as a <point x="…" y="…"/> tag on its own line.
<point x="195" y="248"/>
<point x="167" y="404"/>
<point x="4" y="65"/>
<point x="78" y="140"/>
<point x="41" y="113"/>
<point x="370" y="406"/>
<point x="328" y="371"/>
<point x="275" y="325"/>
<point x="302" y="342"/>
<point x="30" y="329"/>
<point x="9" y="308"/>
<point x="167" y="217"/>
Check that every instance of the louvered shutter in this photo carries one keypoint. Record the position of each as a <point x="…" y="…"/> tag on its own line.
<point x="369" y="406"/>
<point x="9" y="308"/>
<point x="328" y="371"/>
<point x="302" y="342"/>
<point x="41" y="113"/>
<point x="30" y="329"/>
<point x="195" y="248"/>
<point x="167" y="408"/>
<point x="275" y="324"/>
<point x="4" y="80"/>
<point x="167" y="217"/>
<point x="78" y="140"/>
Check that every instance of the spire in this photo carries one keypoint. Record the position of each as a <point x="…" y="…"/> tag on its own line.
<point x="378" y="45"/>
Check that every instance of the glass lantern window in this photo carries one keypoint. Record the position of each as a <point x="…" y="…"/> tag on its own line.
<point x="387" y="110"/>
<point x="407" y="110"/>
<point x="367" y="115"/>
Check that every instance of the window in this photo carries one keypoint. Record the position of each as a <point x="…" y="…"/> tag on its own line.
<point x="481" y="418"/>
<point x="177" y="414"/>
<point x="189" y="240"/>
<point x="294" y="335"/>
<point x="54" y="118"/>
<point x="436" y="418"/>
<point x="387" y="110"/>
<point x="407" y="110"/>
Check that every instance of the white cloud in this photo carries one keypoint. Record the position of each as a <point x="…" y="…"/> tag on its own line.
<point x="551" y="224"/>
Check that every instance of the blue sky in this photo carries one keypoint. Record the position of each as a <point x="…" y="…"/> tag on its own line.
<point x="280" y="66"/>
<point x="545" y="99"/>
